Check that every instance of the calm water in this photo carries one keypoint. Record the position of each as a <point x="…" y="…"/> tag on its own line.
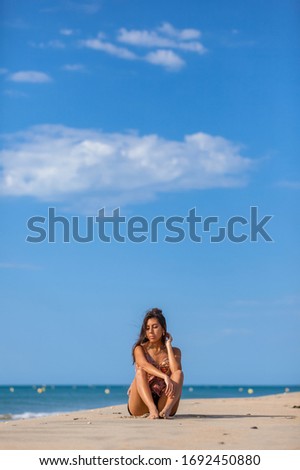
<point x="31" y="401"/>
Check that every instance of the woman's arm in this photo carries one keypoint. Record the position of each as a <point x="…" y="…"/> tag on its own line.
<point x="142" y="362"/>
<point x="174" y="355"/>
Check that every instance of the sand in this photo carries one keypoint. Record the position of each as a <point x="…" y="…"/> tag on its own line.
<point x="264" y="423"/>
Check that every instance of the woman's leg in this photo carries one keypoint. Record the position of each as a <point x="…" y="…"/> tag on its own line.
<point x="140" y="397"/>
<point x="168" y="405"/>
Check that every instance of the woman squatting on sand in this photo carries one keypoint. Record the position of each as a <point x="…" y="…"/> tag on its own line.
<point x="157" y="385"/>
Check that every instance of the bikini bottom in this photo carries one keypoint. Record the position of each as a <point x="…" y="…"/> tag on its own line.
<point x="155" y="399"/>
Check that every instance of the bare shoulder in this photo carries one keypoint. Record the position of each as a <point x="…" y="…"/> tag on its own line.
<point x="177" y="351"/>
<point x="139" y="350"/>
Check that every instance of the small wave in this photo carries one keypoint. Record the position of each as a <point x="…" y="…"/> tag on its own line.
<point x="25" y="415"/>
<point x="5" y="417"/>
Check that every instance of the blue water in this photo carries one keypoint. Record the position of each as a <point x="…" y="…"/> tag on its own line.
<point x="31" y="401"/>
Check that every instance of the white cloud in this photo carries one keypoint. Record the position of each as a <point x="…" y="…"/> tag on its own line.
<point x="165" y="36"/>
<point x="166" y="58"/>
<point x="53" y="163"/>
<point x="67" y="32"/>
<point x="162" y="40"/>
<point x="192" y="46"/>
<point x="30" y="76"/>
<point x="74" y="67"/>
<point x="143" y="38"/>
<point x="184" y="34"/>
<point x="109" y="48"/>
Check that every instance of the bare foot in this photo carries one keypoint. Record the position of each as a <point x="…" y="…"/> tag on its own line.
<point x="165" y="414"/>
<point x="153" y="414"/>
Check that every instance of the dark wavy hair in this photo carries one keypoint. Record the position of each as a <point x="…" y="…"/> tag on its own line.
<point x="142" y="339"/>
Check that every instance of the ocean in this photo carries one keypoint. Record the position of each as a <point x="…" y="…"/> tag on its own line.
<point x="17" y="402"/>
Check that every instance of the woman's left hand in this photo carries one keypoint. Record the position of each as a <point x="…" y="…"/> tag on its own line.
<point x="169" y="339"/>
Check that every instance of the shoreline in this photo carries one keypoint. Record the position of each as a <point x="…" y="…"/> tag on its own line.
<point x="32" y="413"/>
<point x="264" y="423"/>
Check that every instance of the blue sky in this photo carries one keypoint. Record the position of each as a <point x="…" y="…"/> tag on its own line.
<point x="156" y="108"/>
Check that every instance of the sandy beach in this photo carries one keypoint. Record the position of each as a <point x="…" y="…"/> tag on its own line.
<point x="269" y="422"/>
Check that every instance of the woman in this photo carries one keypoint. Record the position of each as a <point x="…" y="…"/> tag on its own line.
<point x="157" y="385"/>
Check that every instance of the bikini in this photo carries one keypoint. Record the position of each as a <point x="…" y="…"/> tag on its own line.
<point x="157" y="385"/>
